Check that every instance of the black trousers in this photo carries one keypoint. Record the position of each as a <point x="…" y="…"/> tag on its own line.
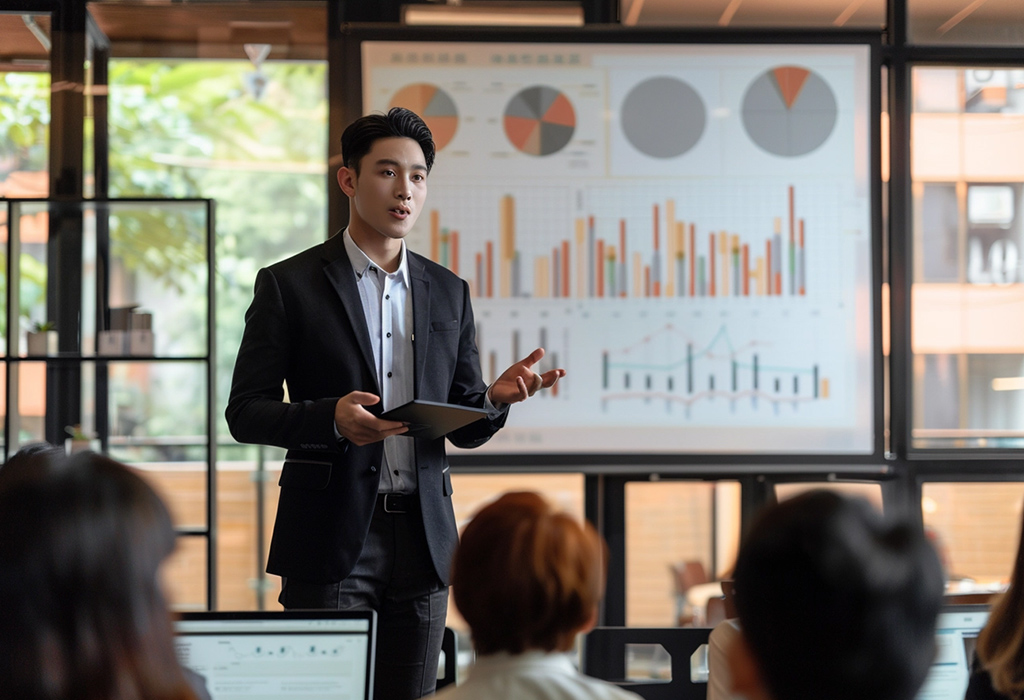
<point x="394" y="576"/>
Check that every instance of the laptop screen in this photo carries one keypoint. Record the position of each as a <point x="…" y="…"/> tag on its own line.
<point x="956" y="635"/>
<point x="290" y="655"/>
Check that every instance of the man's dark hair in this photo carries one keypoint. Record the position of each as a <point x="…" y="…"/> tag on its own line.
<point x="359" y="136"/>
<point x="835" y="601"/>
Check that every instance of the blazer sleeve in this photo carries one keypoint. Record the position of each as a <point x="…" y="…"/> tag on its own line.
<point x="257" y="412"/>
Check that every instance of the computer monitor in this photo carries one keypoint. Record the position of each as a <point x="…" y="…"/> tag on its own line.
<point x="289" y="655"/>
<point x="956" y="635"/>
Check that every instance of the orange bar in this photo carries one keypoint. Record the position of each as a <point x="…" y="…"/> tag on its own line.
<point x="453" y="251"/>
<point x="565" y="268"/>
<point x="768" y="263"/>
<point x="435" y="235"/>
<point x="490" y="270"/>
<point x="622" y="246"/>
<point x="647" y="280"/>
<point x="656" y="217"/>
<point x="711" y="265"/>
<point x="723" y="248"/>
<point x="599" y="272"/>
<point x="778" y="284"/>
<point x="824" y="388"/>
<point x="693" y="255"/>
<point x="746" y="270"/>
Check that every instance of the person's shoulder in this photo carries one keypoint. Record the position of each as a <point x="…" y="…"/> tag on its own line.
<point x="302" y="259"/>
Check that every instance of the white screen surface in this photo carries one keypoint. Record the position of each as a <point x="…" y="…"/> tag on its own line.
<point x="287" y="659"/>
<point x="955" y="636"/>
<point x="685" y="229"/>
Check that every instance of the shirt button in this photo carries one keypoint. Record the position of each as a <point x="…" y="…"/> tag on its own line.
<point x="373" y="269"/>
<point x="396" y="472"/>
<point x="389" y="335"/>
<point x="373" y="469"/>
<point x="389" y="375"/>
<point x="387" y="296"/>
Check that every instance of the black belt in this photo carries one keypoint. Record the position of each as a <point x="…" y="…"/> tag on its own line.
<point x="397" y="502"/>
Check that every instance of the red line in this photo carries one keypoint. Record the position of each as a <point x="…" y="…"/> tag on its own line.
<point x="453" y="250"/>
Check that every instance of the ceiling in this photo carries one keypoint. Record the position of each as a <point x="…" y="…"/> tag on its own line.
<point x="296" y="29"/>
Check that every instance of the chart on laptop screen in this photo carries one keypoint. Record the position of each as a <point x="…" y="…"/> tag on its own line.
<point x="284" y="659"/>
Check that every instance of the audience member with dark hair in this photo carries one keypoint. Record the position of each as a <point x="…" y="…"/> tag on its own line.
<point x="998" y="668"/>
<point x="528" y="579"/>
<point x="82" y="614"/>
<point x="30" y="462"/>
<point x="835" y="602"/>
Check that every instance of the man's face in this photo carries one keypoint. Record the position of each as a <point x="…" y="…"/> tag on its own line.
<point x="388" y="193"/>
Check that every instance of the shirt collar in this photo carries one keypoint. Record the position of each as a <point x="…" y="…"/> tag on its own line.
<point x="361" y="261"/>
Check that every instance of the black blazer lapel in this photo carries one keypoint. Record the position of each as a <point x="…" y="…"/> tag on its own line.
<point x="338" y="269"/>
<point x="420" y="319"/>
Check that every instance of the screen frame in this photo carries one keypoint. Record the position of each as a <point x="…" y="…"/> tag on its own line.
<point x="347" y="100"/>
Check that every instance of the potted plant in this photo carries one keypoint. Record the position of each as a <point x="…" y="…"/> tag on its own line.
<point x="78" y="441"/>
<point x="42" y="339"/>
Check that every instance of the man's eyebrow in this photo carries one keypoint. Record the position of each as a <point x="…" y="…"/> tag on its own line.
<point x="395" y="163"/>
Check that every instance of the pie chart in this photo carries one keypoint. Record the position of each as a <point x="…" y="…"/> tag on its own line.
<point x="434" y="105"/>
<point x="663" y="117"/>
<point x="540" y="120"/>
<point x="789" y="111"/>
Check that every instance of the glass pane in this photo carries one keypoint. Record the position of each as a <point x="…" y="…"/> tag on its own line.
<point x="754" y="13"/>
<point x="968" y="188"/>
<point x="976" y="527"/>
<point x="25" y="119"/>
<point x="992" y="22"/>
<point x="681" y="538"/>
<point x="184" y="574"/>
<point x="182" y="486"/>
<point x="244" y="486"/>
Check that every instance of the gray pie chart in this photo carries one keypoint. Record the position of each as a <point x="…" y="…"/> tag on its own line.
<point x="663" y="117"/>
<point x="789" y="111"/>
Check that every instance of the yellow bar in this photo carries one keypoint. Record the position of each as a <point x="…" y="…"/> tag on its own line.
<point x="824" y="388"/>
<point x="542" y="277"/>
<point x="723" y="256"/>
<point x="638" y="276"/>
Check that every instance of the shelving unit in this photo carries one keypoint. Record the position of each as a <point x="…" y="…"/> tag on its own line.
<point x="69" y="262"/>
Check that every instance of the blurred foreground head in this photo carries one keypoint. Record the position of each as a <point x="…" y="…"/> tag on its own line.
<point x="82" y="614"/>
<point x="834" y="601"/>
<point x="527" y="577"/>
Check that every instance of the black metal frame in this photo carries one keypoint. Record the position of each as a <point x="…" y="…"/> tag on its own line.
<point x="901" y="469"/>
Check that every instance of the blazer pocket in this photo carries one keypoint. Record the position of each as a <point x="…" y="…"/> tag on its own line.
<point x="436" y="326"/>
<point x="305" y="474"/>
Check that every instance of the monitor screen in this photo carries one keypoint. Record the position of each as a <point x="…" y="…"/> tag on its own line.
<point x="687" y="229"/>
<point x="956" y="634"/>
<point x="282" y="655"/>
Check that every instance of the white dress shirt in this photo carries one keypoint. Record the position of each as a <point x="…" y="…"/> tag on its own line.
<point x="387" y="306"/>
<point x="533" y="675"/>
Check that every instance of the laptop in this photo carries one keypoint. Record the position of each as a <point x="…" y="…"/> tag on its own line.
<point x="287" y="655"/>
<point x="956" y="636"/>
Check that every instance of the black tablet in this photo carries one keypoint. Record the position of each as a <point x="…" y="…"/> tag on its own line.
<point x="431" y="419"/>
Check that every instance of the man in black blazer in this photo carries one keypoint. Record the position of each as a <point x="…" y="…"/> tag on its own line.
<point x="334" y="335"/>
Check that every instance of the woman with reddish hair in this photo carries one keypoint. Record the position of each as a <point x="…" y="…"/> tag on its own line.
<point x="528" y="579"/>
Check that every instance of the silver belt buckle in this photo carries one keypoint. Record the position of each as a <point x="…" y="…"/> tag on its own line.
<point x="392" y="501"/>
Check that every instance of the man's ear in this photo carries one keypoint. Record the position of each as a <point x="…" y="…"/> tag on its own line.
<point x="744" y="670"/>
<point x="347" y="180"/>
